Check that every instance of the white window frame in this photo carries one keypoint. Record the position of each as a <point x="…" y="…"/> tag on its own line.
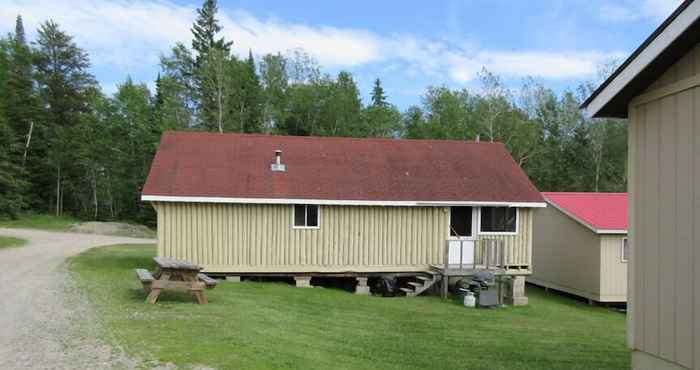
<point x="318" y="212"/>
<point x="622" y="250"/>
<point x="517" y="223"/>
<point x="475" y="225"/>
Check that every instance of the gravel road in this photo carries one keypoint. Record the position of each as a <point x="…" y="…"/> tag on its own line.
<point x="44" y="322"/>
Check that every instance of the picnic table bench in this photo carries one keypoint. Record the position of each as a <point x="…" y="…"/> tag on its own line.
<point x="175" y="274"/>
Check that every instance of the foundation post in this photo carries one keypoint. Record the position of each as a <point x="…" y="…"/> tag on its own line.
<point x="303" y="281"/>
<point x="361" y="287"/>
<point x="515" y="291"/>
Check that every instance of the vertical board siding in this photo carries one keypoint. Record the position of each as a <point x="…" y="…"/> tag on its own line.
<point x="613" y="271"/>
<point x="518" y="247"/>
<point x="260" y="237"/>
<point x="665" y="178"/>
<point x="667" y="222"/>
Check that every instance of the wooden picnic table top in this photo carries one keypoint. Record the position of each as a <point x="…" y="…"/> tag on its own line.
<point x="170" y="263"/>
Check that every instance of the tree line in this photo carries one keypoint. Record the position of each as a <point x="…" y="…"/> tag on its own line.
<point x="67" y="147"/>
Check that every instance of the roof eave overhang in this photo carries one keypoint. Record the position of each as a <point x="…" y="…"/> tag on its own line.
<point x="611" y="232"/>
<point x="613" y="95"/>
<point x="339" y="202"/>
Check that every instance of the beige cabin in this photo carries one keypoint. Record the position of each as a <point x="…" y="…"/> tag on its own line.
<point x="580" y="245"/>
<point x="306" y="206"/>
<point x="658" y="89"/>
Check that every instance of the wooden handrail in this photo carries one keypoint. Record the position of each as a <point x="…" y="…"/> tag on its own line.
<point x="487" y="253"/>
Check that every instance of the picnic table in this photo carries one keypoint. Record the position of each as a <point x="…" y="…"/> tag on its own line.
<point x="175" y="274"/>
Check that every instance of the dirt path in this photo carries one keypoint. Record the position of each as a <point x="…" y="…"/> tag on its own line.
<point x="42" y="327"/>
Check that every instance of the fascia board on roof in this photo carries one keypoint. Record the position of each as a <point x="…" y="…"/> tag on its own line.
<point x="638" y="63"/>
<point x="611" y="231"/>
<point x="194" y="199"/>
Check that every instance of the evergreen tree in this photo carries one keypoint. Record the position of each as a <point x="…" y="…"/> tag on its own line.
<point x="250" y="99"/>
<point x="378" y="96"/>
<point x="204" y="32"/>
<point x="381" y="119"/>
<point x="20" y="37"/>
<point x="21" y="101"/>
<point x="63" y="82"/>
<point x="212" y="58"/>
<point x="12" y="185"/>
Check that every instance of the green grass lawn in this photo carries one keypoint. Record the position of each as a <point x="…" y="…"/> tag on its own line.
<point x="40" y="221"/>
<point x="8" y="242"/>
<point x="274" y="325"/>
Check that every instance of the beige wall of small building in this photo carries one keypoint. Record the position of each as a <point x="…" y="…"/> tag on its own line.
<point x="259" y="238"/>
<point x="566" y="255"/>
<point x="613" y="269"/>
<point x="664" y="190"/>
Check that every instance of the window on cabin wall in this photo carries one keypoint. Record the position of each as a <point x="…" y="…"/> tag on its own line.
<point x="625" y="252"/>
<point x="461" y="221"/>
<point x="306" y="215"/>
<point x="499" y="220"/>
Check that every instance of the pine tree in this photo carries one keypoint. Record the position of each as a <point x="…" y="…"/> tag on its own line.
<point x="204" y="31"/>
<point x="378" y="95"/>
<point x="211" y="61"/>
<point x="252" y="95"/>
<point x="12" y="185"/>
<point x="380" y="119"/>
<point x="64" y="83"/>
<point x="21" y="100"/>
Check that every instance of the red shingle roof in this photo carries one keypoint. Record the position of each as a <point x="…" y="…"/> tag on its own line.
<point x="196" y="164"/>
<point x="599" y="211"/>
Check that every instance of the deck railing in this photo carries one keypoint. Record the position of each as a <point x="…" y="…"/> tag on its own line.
<point x="485" y="254"/>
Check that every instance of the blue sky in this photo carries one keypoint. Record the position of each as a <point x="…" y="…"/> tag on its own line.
<point x="408" y="44"/>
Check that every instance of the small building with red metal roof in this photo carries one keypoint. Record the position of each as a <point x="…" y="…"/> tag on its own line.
<point x="580" y="245"/>
<point x="241" y="204"/>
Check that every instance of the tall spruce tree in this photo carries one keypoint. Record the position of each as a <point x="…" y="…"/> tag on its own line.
<point x="20" y="97"/>
<point x="212" y="56"/>
<point x="63" y="79"/>
<point x="378" y="96"/>
<point x="380" y="119"/>
<point x="204" y="32"/>
<point x="252" y="99"/>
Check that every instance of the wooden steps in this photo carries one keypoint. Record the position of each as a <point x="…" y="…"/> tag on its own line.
<point x="424" y="282"/>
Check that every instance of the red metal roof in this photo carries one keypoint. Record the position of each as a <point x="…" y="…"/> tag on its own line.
<point x="197" y="164"/>
<point x="600" y="211"/>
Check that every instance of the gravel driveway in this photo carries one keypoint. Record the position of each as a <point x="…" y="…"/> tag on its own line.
<point x="43" y="325"/>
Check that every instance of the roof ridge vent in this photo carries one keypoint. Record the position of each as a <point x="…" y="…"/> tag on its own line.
<point x="278" y="166"/>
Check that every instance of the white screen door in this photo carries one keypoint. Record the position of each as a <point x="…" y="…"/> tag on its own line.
<point x="461" y="243"/>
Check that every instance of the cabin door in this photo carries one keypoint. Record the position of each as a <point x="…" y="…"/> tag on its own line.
<point x="462" y="241"/>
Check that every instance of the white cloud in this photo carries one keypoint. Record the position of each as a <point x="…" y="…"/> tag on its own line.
<point x="329" y="45"/>
<point x="126" y="34"/>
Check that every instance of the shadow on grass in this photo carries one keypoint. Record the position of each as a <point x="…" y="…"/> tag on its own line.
<point x="166" y="296"/>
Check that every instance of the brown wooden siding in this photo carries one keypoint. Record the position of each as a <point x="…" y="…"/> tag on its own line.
<point x="260" y="238"/>
<point x="665" y="199"/>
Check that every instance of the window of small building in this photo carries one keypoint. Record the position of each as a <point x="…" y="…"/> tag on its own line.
<point x="499" y="220"/>
<point x="625" y="249"/>
<point x="306" y="215"/>
<point x="460" y="221"/>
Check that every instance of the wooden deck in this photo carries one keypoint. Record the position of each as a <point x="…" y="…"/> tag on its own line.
<point x="466" y="270"/>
